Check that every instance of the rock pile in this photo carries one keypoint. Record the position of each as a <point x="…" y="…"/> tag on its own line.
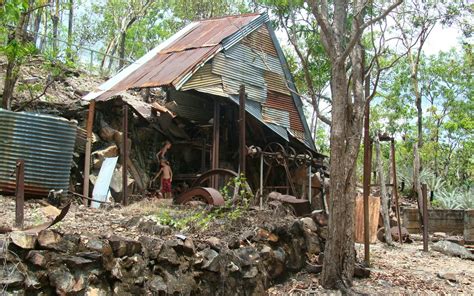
<point x="67" y="264"/>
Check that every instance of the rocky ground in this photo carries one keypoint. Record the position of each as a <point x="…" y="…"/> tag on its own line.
<point x="395" y="270"/>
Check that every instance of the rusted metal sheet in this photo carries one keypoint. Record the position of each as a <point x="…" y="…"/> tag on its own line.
<point x="140" y="107"/>
<point x="301" y="206"/>
<point x="20" y="194"/>
<point x="284" y="102"/>
<point x="45" y="143"/>
<point x="261" y="40"/>
<point x="254" y="57"/>
<point x="211" y="32"/>
<point x="81" y="140"/>
<point x="209" y="195"/>
<point x="276" y="83"/>
<point x="276" y="116"/>
<point x="255" y="109"/>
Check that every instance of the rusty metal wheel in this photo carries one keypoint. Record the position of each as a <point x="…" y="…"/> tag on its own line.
<point x="226" y="182"/>
<point x="274" y="154"/>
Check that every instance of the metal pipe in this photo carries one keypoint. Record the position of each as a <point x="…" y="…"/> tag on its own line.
<point x="87" y="156"/>
<point x="20" y="194"/>
<point x="310" y="184"/>
<point x="242" y="147"/>
<point x="261" y="180"/>
<point x="367" y="175"/>
<point x="215" y="141"/>
<point x="395" y="190"/>
<point x="424" y="191"/>
<point x="125" y="155"/>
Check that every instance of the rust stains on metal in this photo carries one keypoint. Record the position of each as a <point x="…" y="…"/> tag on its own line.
<point x="210" y="32"/>
<point x="209" y="195"/>
<point x="174" y="61"/>
<point x="20" y="194"/>
<point x="301" y="206"/>
<point x="285" y="102"/>
<point x="261" y="40"/>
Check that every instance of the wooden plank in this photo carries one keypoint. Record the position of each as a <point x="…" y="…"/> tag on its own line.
<point x="374" y="208"/>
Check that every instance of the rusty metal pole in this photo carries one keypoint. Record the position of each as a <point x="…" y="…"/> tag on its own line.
<point x="215" y="141"/>
<point x="87" y="156"/>
<point x="125" y="155"/>
<point x="424" y="191"/>
<point x="366" y="185"/>
<point x="242" y="147"/>
<point x="395" y="190"/>
<point x="20" y="194"/>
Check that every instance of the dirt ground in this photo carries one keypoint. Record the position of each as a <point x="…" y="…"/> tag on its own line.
<point x="394" y="270"/>
<point x="397" y="270"/>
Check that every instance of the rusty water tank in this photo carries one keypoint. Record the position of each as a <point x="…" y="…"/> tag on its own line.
<point x="44" y="142"/>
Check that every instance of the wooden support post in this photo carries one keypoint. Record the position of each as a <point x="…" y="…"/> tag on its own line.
<point x="366" y="185"/>
<point x="309" y="184"/>
<point x="261" y="180"/>
<point x="424" y="190"/>
<point x="215" y="141"/>
<point x="395" y="190"/>
<point x="87" y="156"/>
<point x="20" y="194"/>
<point x="125" y="154"/>
<point x="242" y="147"/>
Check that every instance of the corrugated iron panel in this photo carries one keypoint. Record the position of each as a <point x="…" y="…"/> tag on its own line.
<point x="254" y="93"/>
<point x="202" y="78"/>
<point x="238" y="70"/>
<point x="244" y="31"/>
<point x="276" y="82"/>
<point x="46" y="143"/>
<point x="255" y="109"/>
<point x="254" y="57"/>
<point x="81" y="140"/>
<point x="213" y="90"/>
<point x="261" y="40"/>
<point x="285" y="102"/>
<point x="276" y="116"/>
<point x="141" y="107"/>
<point x="104" y="90"/>
<point x="296" y="99"/>
<point x="191" y="106"/>
<point x="211" y="32"/>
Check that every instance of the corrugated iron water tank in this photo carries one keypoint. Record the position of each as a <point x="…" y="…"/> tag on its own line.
<point x="44" y="142"/>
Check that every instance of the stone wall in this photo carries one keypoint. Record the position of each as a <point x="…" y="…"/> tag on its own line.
<point x="66" y="264"/>
<point x="449" y="221"/>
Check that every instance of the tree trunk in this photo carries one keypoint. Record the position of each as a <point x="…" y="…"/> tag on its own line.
<point x="123" y="36"/>
<point x="416" y="177"/>
<point x="36" y="26"/>
<point x="11" y="75"/>
<point x="55" y="19"/>
<point x="339" y="257"/>
<point x="384" y="207"/>
<point x="69" y="30"/>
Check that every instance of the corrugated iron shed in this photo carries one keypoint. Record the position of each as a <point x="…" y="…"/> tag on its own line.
<point x="172" y="60"/>
<point x="44" y="142"/>
<point x="215" y="57"/>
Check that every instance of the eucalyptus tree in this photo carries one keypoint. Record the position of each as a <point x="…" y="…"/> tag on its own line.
<point x="342" y="25"/>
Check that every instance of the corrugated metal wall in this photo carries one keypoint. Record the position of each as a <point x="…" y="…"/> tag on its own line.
<point x="46" y="143"/>
<point x="254" y="62"/>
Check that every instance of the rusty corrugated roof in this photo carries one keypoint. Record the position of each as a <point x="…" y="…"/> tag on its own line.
<point x="179" y="56"/>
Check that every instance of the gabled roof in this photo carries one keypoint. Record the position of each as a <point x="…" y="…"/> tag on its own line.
<point x="177" y="57"/>
<point x="223" y="53"/>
